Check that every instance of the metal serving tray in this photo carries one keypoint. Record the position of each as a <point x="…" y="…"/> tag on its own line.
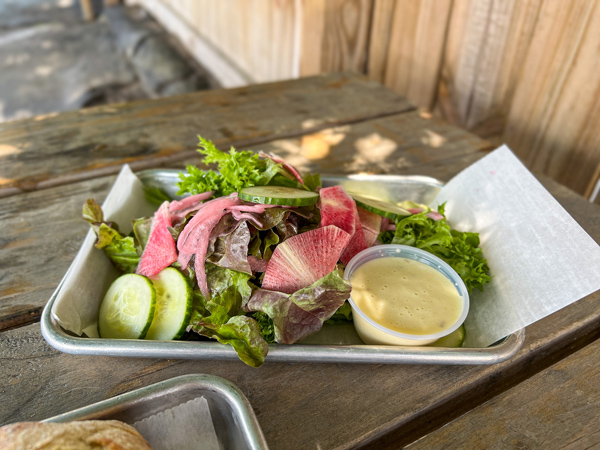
<point x="234" y="420"/>
<point x="334" y="343"/>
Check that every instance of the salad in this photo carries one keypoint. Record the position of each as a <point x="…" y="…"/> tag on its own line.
<point x="254" y="253"/>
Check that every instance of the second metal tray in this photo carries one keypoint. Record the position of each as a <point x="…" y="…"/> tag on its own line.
<point x="234" y="420"/>
<point x="334" y="343"/>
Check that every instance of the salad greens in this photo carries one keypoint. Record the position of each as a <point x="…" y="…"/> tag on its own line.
<point x="237" y="170"/>
<point x="459" y="249"/>
<point x="231" y="244"/>
<point x="121" y="250"/>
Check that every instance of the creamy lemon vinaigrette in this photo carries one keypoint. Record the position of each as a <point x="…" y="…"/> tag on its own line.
<point x="406" y="296"/>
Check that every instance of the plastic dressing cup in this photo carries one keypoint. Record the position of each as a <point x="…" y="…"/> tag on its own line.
<point x="372" y="332"/>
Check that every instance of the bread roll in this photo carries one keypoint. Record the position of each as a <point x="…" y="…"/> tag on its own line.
<point x="84" y="435"/>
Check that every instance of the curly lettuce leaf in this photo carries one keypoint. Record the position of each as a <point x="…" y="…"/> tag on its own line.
<point x="422" y="232"/>
<point x="236" y="170"/>
<point x="459" y="249"/>
<point x="267" y="329"/>
<point x="466" y="257"/>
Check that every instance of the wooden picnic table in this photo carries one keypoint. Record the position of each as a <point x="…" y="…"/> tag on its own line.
<point x="50" y="165"/>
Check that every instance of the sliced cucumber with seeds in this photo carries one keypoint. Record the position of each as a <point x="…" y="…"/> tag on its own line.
<point x="173" y="305"/>
<point x="453" y="340"/>
<point x="127" y="309"/>
<point x="278" y="195"/>
<point x="379" y="207"/>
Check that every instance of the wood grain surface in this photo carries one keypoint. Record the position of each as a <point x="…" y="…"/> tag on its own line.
<point x="409" y="58"/>
<point x="53" y="150"/>
<point x="558" y="408"/>
<point x="334" y="35"/>
<point x="41" y="234"/>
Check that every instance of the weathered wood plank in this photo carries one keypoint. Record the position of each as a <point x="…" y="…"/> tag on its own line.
<point x="526" y="416"/>
<point x="526" y="73"/>
<point x="43" y="230"/>
<point x="53" y="150"/>
<point x="403" y="144"/>
<point x="334" y="35"/>
<point x="415" y="49"/>
<point x="554" y="116"/>
<point x="40" y="235"/>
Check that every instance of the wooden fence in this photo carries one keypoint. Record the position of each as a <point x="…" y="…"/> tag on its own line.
<point x="524" y="72"/>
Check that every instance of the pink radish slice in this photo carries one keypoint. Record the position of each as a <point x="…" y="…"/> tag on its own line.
<point x="303" y="259"/>
<point x="160" y="251"/>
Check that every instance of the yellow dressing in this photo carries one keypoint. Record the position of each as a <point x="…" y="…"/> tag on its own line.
<point x="406" y="296"/>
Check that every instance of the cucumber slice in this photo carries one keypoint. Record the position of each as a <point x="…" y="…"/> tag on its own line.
<point x="127" y="309"/>
<point x="173" y="305"/>
<point x="379" y="207"/>
<point x="453" y="340"/>
<point x="278" y="195"/>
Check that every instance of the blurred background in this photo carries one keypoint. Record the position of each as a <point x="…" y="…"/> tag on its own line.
<point x="521" y="72"/>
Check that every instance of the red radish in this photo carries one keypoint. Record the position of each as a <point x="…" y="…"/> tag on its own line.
<point x="371" y="225"/>
<point x="357" y="241"/>
<point x="160" y="251"/>
<point x="337" y="208"/>
<point x="303" y="259"/>
<point x="370" y="237"/>
<point x="369" y="220"/>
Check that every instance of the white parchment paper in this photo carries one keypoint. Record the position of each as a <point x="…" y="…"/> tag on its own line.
<point x="540" y="258"/>
<point x="186" y="426"/>
<point x="90" y="275"/>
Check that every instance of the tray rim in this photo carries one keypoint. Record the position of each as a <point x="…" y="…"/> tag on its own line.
<point x="67" y="343"/>
<point x="240" y="406"/>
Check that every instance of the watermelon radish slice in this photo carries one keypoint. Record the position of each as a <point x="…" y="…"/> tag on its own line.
<point x="357" y="241"/>
<point x="303" y="259"/>
<point x="338" y="208"/>
<point x="370" y="237"/>
<point x="369" y="220"/>
<point x="371" y="225"/>
<point x="160" y="251"/>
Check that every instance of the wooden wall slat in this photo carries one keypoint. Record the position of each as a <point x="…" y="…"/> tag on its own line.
<point x="379" y="38"/>
<point x="414" y="54"/>
<point x="335" y="35"/>
<point x="526" y="73"/>
<point x="554" y="117"/>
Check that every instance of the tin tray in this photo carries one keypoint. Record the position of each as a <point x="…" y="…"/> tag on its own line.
<point x="334" y="343"/>
<point x="234" y="420"/>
